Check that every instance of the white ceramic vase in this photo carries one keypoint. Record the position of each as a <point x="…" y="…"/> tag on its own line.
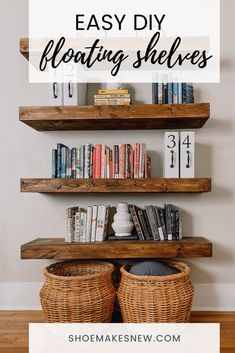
<point x="122" y="224"/>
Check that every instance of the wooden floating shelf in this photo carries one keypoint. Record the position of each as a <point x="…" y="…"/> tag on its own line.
<point x="56" y="248"/>
<point x="197" y="185"/>
<point x="119" y="117"/>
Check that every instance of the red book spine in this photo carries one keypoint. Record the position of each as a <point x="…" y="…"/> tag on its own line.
<point x="98" y="161"/>
<point x="121" y="161"/>
<point x="131" y="162"/>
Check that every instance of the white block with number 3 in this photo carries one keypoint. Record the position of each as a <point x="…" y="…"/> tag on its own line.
<point x="187" y="154"/>
<point x="171" y="155"/>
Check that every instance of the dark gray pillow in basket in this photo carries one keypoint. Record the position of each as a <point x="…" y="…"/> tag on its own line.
<point x="152" y="268"/>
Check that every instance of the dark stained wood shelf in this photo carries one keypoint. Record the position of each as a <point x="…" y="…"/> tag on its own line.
<point x="197" y="185"/>
<point x="119" y="117"/>
<point x="56" y="248"/>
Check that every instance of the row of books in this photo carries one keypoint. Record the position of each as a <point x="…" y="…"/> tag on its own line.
<point x="157" y="223"/>
<point x="94" y="224"/>
<point x="112" y="97"/>
<point x="172" y="93"/>
<point x="88" y="225"/>
<point x="99" y="161"/>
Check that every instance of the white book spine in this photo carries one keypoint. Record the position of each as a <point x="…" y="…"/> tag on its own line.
<point x="83" y="227"/>
<point x="77" y="227"/>
<point x="141" y="160"/>
<point x="88" y="224"/>
<point x="100" y="223"/>
<point x="94" y="222"/>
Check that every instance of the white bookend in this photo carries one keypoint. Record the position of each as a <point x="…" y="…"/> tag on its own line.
<point x="171" y="168"/>
<point x="187" y="154"/>
<point x="55" y="88"/>
<point x="88" y="224"/>
<point x="94" y="222"/>
<point x="100" y="228"/>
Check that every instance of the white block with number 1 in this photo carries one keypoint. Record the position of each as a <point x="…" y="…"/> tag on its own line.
<point x="187" y="154"/>
<point x="171" y="169"/>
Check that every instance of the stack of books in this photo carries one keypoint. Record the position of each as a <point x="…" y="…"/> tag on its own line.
<point x="112" y="97"/>
<point x="88" y="225"/>
<point x="101" y="162"/>
<point x="157" y="223"/>
<point x="94" y="224"/>
<point x="172" y="93"/>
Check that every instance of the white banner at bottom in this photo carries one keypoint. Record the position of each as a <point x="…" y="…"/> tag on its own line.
<point x="127" y="338"/>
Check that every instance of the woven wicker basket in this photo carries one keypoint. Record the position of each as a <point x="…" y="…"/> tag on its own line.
<point x="156" y="298"/>
<point x="78" y="292"/>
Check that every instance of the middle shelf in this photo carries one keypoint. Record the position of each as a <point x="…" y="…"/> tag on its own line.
<point x="153" y="185"/>
<point x="56" y="248"/>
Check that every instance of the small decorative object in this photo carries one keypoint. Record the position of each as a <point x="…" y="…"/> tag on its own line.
<point x="122" y="224"/>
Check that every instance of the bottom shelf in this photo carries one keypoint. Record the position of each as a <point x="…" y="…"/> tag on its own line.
<point x="56" y="248"/>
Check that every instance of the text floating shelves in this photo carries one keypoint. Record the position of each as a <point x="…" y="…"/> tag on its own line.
<point x="197" y="185"/>
<point x="119" y="117"/>
<point x="56" y="248"/>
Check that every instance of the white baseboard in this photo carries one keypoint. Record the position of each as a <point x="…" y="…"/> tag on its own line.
<point x="208" y="296"/>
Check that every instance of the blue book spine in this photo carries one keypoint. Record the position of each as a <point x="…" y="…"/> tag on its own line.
<point x="54" y="163"/>
<point x="184" y="100"/>
<point x="175" y="93"/>
<point x="180" y="93"/>
<point x="63" y="162"/>
<point x="73" y="162"/>
<point x="59" y="146"/>
<point x="170" y="93"/>
<point x="189" y="93"/>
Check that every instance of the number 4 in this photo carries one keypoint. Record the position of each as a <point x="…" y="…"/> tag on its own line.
<point x="187" y="142"/>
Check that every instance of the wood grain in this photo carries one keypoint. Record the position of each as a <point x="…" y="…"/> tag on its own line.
<point x="120" y="117"/>
<point x="14" y="328"/>
<point x="56" y="248"/>
<point x="197" y="185"/>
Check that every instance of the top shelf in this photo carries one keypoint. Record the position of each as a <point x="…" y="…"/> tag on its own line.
<point x="116" y="117"/>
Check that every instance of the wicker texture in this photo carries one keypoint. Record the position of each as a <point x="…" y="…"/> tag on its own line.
<point x="78" y="292"/>
<point x="156" y="298"/>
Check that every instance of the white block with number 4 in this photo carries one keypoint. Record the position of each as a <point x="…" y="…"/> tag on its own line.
<point x="187" y="154"/>
<point x="171" y="155"/>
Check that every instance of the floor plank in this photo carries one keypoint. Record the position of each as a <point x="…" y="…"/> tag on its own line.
<point x="14" y="328"/>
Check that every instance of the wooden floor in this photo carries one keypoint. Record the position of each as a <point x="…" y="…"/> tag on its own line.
<point x="14" y="329"/>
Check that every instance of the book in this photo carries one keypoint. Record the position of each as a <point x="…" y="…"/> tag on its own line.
<point x="175" y="93"/>
<point x="101" y="223"/>
<point x="152" y="222"/>
<point x="180" y="93"/>
<point x="70" y="224"/>
<point x="94" y="222"/>
<point x="134" y="214"/>
<point x="113" y="91"/>
<point x="129" y="237"/>
<point x="73" y="162"/>
<point x="59" y="152"/>
<point x="163" y="223"/>
<point x="63" y="162"/>
<point x="184" y="90"/>
<point x="154" y="93"/>
<point x="189" y="93"/>
<point x="54" y="163"/>
<point x="113" y="96"/>
<point x="68" y="164"/>
<point x="116" y="161"/>
<point x="82" y="226"/>
<point x="141" y="160"/>
<point x="88" y="224"/>
<point x="170" y="92"/>
<point x="159" y="225"/>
